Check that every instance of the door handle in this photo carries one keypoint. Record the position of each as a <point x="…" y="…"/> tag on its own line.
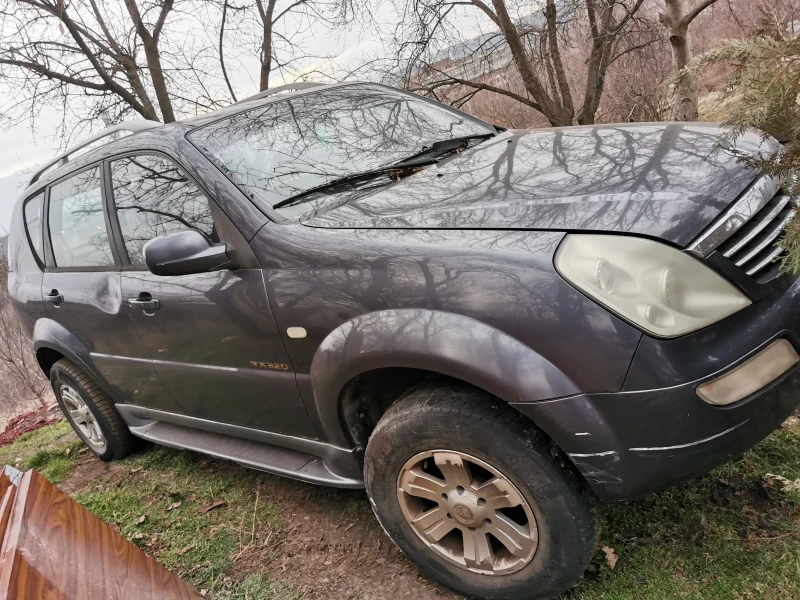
<point x="54" y="298"/>
<point x="146" y="302"/>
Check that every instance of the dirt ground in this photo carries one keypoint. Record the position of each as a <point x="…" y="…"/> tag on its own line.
<point x="328" y="547"/>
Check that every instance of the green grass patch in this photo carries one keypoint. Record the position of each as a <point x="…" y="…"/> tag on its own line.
<point x="158" y="506"/>
<point x="733" y="534"/>
<point x="51" y="450"/>
<point x="54" y="462"/>
<point x="260" y="587"/>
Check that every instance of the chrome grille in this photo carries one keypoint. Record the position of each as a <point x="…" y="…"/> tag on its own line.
<point x="753" y="247"/>
<point x="748" y="232"/>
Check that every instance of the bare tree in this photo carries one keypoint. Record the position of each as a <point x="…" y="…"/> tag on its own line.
<point x="98" y="60"/>
<point x="276" y="31"/>
<point x="534" y="45"/>
<point x="676" y="16"/>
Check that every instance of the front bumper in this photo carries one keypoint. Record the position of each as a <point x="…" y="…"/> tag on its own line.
<point x="657" y="432"/>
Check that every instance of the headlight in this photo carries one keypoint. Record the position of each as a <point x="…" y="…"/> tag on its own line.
<point x="659" y="289"/>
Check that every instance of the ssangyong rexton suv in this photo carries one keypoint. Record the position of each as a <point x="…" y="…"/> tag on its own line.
<point x="354" y="286"/>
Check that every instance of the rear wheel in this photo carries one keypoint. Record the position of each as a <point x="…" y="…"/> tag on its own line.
<point x="91" y="413"/>
<point x="470" y="491"/>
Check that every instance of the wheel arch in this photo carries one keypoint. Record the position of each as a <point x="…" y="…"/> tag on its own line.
<point x="398" y="348"/>
<point x="52" y="342"/>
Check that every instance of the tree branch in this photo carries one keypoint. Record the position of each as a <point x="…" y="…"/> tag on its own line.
<point x="45" y="72"/>
<point x="221" y="54"/>
<point x="699" y="7"/>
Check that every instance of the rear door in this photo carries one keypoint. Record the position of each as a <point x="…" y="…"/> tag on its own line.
<point x="83" y="290"/>
<point x="212" y="336"/>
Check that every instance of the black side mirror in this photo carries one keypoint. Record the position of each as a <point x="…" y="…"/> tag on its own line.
<point x="183" y="253"/>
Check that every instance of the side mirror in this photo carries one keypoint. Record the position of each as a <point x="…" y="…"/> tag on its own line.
<point x="183" y="253"/>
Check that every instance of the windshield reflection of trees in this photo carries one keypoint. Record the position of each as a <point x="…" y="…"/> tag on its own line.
<point x="286" y="147"/>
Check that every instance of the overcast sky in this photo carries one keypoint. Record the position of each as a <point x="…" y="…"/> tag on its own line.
<point x="22" y="149"/>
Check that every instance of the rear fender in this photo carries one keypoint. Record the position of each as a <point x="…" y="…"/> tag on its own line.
<point x="445" y="343"/>
<point x="50" y="334"/>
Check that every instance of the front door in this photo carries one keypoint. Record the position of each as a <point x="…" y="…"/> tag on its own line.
<point x="212" y="336"/>
<point x="82" y="288"/>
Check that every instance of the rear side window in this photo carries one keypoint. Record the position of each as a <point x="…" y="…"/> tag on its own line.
<point x="33" y="223"/>
<point x="77" y="226"/>
<point x="154" y="198"/>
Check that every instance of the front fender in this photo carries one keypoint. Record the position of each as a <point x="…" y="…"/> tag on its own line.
<point x="441" y="342"/>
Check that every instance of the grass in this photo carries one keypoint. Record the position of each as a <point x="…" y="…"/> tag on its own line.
<point x="51" y="450"/>
<point x="159" y="506"/>
<point x="733" y="534"/>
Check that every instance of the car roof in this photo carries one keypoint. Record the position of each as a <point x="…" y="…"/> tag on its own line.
<point x="48" y="174"/>
<point x="268" y="97"/>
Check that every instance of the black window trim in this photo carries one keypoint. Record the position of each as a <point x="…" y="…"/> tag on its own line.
<point x="127" y="265"/>
<point x="40" y="260"/>
<point x="48" y="247"/>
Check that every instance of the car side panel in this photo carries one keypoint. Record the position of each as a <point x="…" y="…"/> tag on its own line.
<point x="321" y="279"/>
<point x="215" y="346"/>
<point x="93" y="319"/>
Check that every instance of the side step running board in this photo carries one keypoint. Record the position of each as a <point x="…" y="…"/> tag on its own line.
<point x="299" y="458"/>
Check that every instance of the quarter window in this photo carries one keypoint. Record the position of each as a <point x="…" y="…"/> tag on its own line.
<point x="76" y="222"/>
<point x="154" y="198"/>
<point x="33" y="223"/>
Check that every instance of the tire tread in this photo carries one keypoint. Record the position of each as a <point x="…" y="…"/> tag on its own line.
<point x="122" y="440"/>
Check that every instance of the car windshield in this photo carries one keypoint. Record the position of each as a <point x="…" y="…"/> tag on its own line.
<point x="283" y="148"/>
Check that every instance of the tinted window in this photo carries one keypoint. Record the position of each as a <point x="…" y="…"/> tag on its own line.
<point x="154" y="198"/>
<point x="289" y="146"/>
<point x="33" y="222"/>
<point x="76" y="222"/>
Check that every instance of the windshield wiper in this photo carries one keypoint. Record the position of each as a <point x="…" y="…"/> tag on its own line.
<point x="436" y="150"/>
<point x="448" y="145"/>
<point x="363" y="175"/>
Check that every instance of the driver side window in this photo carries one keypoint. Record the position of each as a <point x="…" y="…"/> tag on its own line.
<point x="153" y="198"/>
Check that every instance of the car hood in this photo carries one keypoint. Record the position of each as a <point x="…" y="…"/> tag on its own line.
<point x="663" y="180"/>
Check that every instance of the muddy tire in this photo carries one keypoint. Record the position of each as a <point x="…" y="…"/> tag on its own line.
<point x="443" y="468"/>
<point x="91" y="413"/>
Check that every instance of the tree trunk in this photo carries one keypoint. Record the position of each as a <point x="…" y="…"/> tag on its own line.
<point x="676" y="16"/>
<point x="554" y="113"/>
<point x="153" y="56"/>
<point x="131" y="70"/>
<point x="684" y="94"/>
<point x="266" y="42"/>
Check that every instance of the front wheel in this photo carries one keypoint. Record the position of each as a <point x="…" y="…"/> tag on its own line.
<point x="469" y="490"/>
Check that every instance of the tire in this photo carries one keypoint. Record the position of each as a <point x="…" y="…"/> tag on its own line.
<point x="71" y="386"/>
<point x="500" y="441"/>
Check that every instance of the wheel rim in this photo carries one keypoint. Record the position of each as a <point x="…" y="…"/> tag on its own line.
<point x="83" y="419"/>
<point x="467" y="512"/>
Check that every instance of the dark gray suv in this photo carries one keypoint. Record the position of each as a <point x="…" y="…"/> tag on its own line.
<point x="354" y="286"/>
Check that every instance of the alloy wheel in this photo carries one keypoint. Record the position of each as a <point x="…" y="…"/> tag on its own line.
<point x="83" y="418"/>
<point x="468" y="512"/>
